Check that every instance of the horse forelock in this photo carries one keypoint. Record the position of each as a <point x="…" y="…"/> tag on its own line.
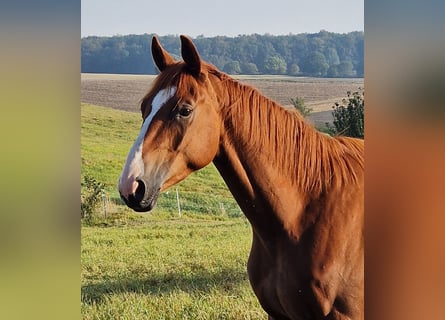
<point x="177" y="76"/>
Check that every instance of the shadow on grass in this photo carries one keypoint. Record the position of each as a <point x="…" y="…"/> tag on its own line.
<point x="159" y="284"/>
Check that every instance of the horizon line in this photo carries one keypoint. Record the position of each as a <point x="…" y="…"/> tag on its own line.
<point x="214" y="36"/>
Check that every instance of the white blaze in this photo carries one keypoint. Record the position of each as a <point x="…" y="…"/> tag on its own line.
<point x="134" y="166"/>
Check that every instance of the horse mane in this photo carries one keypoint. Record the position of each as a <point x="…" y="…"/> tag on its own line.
<point x="315" y="161"/>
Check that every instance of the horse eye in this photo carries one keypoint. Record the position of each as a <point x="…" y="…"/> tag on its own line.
<point x="185" y="111"/>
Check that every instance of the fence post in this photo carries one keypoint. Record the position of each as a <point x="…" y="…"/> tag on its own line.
<point x="104" y="203"/>
<point x="223" y="210"/>
<point x="179" y="205"/>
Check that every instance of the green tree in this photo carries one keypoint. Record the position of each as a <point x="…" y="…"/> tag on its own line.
<point x="293" y="70"/>
<point x="232" y="67"/>
<point x="332" y="56"/>
<point x="275" y="65"/>
<point x="249" y="68"/>
<point x="315" y="64"/>
<point x="349" y="117"/>
<point x="360" y="68"/>
<point x="346" y="69"/>
<point x="333" y="71"/>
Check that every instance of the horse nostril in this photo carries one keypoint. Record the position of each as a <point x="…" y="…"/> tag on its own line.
<point x="140" y="191"/>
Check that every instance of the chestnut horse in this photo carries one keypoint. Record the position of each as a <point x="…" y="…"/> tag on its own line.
<point x="301" y="190"/>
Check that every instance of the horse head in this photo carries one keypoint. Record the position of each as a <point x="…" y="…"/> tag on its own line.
<point x="180" y="131"/>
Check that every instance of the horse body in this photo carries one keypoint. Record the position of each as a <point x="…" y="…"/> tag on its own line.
<point x="306" y="260"/>
<point x="302" y="191"/>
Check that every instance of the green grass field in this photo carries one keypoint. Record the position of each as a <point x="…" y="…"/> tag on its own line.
<point x="159" y="265"/>
<point x="171" y="269"/>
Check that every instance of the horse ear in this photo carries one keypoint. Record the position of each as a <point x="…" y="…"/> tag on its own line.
<point x="190" y="55"/>
<point x="161" y="57"/>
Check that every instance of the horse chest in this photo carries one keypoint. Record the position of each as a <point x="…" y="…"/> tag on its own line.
<point x="281" y="285"/>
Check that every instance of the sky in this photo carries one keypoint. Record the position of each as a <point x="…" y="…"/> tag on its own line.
<point x="219" y="18"/>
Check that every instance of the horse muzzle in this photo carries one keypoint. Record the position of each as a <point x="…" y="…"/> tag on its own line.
<point x="143" y="199"/>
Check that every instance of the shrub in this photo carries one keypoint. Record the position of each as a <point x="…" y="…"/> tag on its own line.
<point x="90" y="196"/>
<point x="298" y="103"/>
<point x="349" y="117"/>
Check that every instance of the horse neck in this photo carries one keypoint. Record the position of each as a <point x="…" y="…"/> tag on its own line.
<point x="275" y="164"/>
<point x="258" y="152"/>
<point x="260" y="132"/>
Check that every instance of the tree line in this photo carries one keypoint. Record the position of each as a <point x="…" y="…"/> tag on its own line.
<point x="322" y="54"/>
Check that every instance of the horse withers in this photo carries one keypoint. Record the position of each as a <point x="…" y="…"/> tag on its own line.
<point x="302" y="191"/>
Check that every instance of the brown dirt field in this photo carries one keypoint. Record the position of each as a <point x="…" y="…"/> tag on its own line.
<point x="125" y="91"/>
